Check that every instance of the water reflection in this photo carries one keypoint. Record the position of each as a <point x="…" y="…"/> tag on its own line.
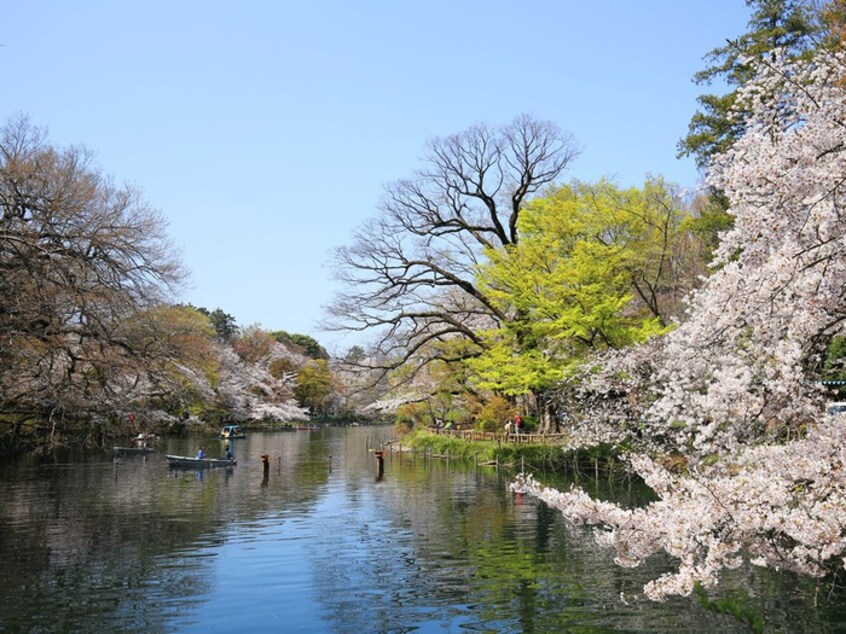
<point x="310" y="541"/>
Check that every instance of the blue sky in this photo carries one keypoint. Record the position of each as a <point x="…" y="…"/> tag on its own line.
<point x="264" y="131"/>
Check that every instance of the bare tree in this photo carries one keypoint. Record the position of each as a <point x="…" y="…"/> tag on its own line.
<point x="410" y="271"/>
<point x="78" y="256"/>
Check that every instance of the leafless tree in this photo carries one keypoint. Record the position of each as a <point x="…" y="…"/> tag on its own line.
<point x="78" y="257"/>
<point x="409" y="273"/>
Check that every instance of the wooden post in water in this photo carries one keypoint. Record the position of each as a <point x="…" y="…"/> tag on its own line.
<point x="330" y="463"/>
<point x="380" y="464"/>
<point x="265" y="468"/>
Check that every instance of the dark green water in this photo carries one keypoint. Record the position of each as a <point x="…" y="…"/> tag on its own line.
<point x="89" y="544"/>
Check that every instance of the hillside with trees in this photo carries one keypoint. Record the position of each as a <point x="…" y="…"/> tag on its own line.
<point x="93" y="341"/>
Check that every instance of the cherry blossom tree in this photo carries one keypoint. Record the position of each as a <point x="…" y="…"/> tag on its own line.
<point x="248" y="388"/>
<point x="732" y="390"/>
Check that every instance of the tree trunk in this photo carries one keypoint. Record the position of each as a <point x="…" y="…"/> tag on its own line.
<point x="547" y="414"/>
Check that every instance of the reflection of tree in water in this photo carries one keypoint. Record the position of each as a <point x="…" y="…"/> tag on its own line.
<point x="119" y="544"/>
<point x="440" y="548"/>
<point x="132" y="546"/>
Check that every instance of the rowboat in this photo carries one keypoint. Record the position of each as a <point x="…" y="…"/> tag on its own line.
<point x="140" y="444"/>
<point x="133" y="450"/>
<point x="199" y="463"/>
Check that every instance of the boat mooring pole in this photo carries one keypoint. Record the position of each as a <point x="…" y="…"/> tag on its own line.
<point x="380" y="464"/>
<point x="265" y="467"/>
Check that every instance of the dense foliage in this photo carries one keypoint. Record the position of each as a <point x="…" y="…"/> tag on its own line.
<point x="91" y="343"/>
<point x="578" y="315"/>
<point x="732" y="390"/>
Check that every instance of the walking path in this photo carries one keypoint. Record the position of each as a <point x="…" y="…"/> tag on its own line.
<point x="474" y="435"/>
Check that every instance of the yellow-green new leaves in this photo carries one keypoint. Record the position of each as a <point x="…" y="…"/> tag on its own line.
<point x="587" y="274"/>
<point x="506" y="366"/>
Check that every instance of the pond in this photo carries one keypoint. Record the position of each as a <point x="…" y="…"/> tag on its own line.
<point x="96" y="544"/>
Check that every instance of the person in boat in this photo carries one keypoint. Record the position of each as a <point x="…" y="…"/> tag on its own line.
<point x="201" y="453"/>
<point x="228" y="455"/>
<point x="143" y="440"/>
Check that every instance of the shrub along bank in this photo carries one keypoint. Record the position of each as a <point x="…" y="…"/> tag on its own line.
<point x="531" y="456"/>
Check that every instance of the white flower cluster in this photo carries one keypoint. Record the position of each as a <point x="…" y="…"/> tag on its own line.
<point x="739" y="361"/>
<point x="731" y="389"/>
<point x="778" y="505"/>
<point x="251" y="392"/>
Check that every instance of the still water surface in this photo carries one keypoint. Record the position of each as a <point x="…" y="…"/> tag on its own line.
<point x="92" y="544"/>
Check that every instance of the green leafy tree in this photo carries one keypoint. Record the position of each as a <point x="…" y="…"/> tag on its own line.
<point x="409" y="274"/>
<point x="224" y="324"/>
<point x="597" y="267"/>
<point x="775" y="24"/>
<point x="309" y="345"/>
<point x="314" y="385"/>
<point x="355" y="355"/>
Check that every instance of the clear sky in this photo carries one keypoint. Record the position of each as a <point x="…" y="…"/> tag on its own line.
<point x="265" y="130"/>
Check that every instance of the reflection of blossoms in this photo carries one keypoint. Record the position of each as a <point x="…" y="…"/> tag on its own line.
<point x="731" y="389"/>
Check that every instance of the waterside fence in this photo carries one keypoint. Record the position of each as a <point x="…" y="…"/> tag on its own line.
<point x="510" y="437"/>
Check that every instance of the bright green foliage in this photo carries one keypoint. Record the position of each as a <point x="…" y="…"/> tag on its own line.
<point x="590" y="272"/>
<point x="503" y="367"/>
<point x="314" y="385"/>
<point x="410" y="415"/>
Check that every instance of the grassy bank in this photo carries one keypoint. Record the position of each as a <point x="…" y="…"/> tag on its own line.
<point x="531" y="456"/>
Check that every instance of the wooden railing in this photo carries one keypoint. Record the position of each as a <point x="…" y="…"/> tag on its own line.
<point x="475" y="435"/>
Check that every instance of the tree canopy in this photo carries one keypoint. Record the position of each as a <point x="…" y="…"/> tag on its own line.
<point x="79" y="256"/>
<point x="597" y="267"/>
<point x="789" y="26"/>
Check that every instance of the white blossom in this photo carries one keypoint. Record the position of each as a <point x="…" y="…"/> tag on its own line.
<point x="731" y="389"/>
